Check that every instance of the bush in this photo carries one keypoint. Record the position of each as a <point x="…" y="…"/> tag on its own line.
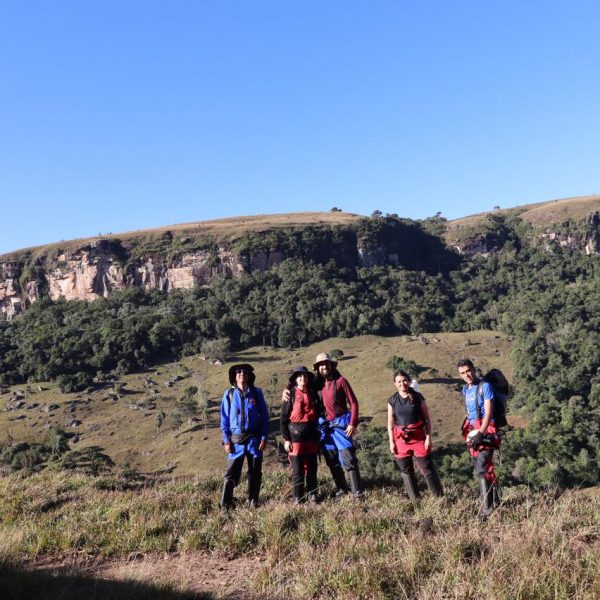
<point x="397" y="363"/>
<point x="69" y="383"/>
<point x="24" y="456"/>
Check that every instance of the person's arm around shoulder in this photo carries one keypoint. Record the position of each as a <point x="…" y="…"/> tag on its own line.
<point x="225" y="422"/>
<point x="284" y="421"/>
<point x="264" y="419"/>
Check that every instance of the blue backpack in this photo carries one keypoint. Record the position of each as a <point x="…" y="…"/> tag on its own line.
<point x="501" y="389"/>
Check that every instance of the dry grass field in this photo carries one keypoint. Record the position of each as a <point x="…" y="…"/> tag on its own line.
<point x="76" y="537"/>
<point x="121" y="417"/>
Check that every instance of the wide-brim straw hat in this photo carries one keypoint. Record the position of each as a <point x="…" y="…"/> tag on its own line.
<point x="324" y="357"/>
<point x="248" y="367"/>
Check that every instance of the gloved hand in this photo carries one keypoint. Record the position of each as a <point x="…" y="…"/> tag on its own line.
<point x="474" y="438"/>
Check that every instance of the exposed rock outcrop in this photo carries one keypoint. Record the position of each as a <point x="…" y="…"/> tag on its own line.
<point x="96" y="268"/>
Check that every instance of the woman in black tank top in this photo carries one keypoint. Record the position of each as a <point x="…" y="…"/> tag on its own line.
<point x="409" y="431"/>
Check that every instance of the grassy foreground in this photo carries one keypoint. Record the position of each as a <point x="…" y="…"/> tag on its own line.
<point x="538" y="545"/>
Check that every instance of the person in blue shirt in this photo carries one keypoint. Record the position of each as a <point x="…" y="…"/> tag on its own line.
<point x="245" y="428"/>
<point x="480" y="433"/>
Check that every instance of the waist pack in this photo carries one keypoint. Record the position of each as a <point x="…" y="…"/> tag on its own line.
<point x="243" y="438"/>
<point x="414" y="431"/>
<point x="304" y="432"/>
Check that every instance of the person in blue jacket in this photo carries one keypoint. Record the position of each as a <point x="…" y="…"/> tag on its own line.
<point x="245" y="428"/>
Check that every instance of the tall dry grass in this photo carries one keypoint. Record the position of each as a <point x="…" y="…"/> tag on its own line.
<point x="537" y="545"/>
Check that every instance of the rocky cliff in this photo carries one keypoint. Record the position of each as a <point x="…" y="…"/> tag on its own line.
<point x="97" y="267"/>
<point x="94" y="270"/>
<point x="166" y="261"/>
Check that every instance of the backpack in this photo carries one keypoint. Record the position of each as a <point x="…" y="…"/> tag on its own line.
<point x="501" y="389"/>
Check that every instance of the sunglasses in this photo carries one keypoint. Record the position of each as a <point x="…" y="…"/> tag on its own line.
<point x="241" y="371"/>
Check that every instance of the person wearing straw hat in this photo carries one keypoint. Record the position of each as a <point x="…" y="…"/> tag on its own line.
<point x="341" y="414"/>
<point x="338" y="422"/>
<point x="245" y="428"/>
<point x="299" y="429"/>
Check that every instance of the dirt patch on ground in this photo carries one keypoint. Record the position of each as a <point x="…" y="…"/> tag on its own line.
<point x="193" y="575"/>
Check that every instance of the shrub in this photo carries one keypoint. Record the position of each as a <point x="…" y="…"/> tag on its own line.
<point x="397" y="363"/>
<point x="69" y="383"/>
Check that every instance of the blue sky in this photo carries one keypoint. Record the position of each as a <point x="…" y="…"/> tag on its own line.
<point x="117" y="116"/>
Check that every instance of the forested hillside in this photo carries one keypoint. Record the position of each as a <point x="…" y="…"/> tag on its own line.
<point x="546" y="296"/>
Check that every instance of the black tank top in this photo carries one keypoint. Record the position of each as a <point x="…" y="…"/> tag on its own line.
<point x="405" y="412"/>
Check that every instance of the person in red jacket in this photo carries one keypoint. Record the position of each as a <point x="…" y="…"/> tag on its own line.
<point x="299" y="429"/>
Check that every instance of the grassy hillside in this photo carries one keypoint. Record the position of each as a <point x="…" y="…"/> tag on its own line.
<point x="97" y="538"/>
<point x="540" y="215"/>
<point x="227" y="230"/>
<point x="222" y="230"/>
<point x="120" y="417"/>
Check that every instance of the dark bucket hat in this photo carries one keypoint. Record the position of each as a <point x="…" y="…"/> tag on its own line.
<point x="299" y="371"/>
<point x="247" y="367"/>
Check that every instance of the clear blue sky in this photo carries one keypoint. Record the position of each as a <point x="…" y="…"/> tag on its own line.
<point x="121" y="115"/>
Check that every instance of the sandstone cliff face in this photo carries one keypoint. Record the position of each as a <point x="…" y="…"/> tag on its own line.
<point x="95" y="271"/>
<point x="10" y="290"/>
<point x="584" y="238"/>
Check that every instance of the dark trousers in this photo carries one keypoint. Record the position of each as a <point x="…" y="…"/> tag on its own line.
<point x="234" y="473"/>
<point x="427" y="468"/>
<point x="304" y="465"/>
<point x="483" y="464"/>
<point x="348" y="463"/>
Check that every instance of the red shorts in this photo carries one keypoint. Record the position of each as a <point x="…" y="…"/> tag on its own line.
<point x="411" y="444"/>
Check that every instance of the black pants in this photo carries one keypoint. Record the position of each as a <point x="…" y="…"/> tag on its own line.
<point x="304" y="465"/>
<point x="424" y="463"/>
<point x="234" y="472"/>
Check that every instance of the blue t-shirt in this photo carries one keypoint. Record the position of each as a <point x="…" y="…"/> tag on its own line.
<point x="473" y="400"/>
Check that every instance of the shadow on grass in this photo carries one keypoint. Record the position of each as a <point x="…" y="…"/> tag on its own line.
<point x="446" y="380"/>
<point x="50" y="584"/>
<point x="253" y="357"/>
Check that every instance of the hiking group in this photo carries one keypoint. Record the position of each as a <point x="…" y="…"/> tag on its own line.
<point x="319" y="415"/>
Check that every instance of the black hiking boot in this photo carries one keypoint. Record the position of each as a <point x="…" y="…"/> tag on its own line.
<point x="227" y="501"/>
<point x="486" y="498"/>
<point x="434" y="484"/>
<point x="410" y="485"/>
<point x="356" y="483"/>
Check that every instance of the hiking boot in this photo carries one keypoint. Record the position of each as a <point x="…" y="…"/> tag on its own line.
<point x="486" y="498"/>
<point x="355" y="483"/>
<point x="434" y="484"/>
<point x="410" y="485"/>
<point x="312" y="499"/>
<point x="339" y="494"/>
<point x="227" y="501"/>
<point x="253" y="503"/>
